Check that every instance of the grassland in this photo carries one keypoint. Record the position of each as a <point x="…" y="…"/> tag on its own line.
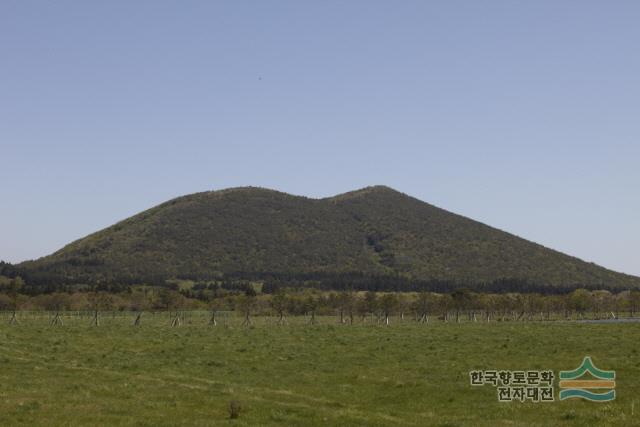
<point x="328" y="374"/>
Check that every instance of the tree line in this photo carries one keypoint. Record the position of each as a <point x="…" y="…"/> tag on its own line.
<point x="349" y="306"/>
<point x="44" y="282"/>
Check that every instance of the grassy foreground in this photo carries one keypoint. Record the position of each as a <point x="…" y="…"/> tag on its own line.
<point x="330" y="374"/>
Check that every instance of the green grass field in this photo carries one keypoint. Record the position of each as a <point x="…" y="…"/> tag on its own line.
<point x="328" y="374"/>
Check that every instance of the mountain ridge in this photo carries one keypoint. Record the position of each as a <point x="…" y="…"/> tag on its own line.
<point x="373" y="230"/>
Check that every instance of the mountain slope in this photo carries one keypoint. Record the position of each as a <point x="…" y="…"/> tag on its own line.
<point x="375" y="230"/>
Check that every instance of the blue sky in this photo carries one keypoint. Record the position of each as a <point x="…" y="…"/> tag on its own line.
<point x="523" y="115"/>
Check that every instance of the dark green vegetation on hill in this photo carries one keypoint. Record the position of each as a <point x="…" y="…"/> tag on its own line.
<point x="251" y="232"/>
<point x="403" y="375"/>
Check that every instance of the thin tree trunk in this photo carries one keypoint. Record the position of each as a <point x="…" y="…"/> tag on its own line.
<point x="96" y="320"/>
<point x="281" y="319"/>
<point x="247" y="319"/>
<point x="57" y="320"/>
<point x="176" y="320"/>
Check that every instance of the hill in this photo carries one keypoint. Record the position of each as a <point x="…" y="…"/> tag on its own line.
<point x="252" y="231"/>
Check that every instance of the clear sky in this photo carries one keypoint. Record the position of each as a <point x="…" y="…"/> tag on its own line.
<point x="524" y="115"/>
